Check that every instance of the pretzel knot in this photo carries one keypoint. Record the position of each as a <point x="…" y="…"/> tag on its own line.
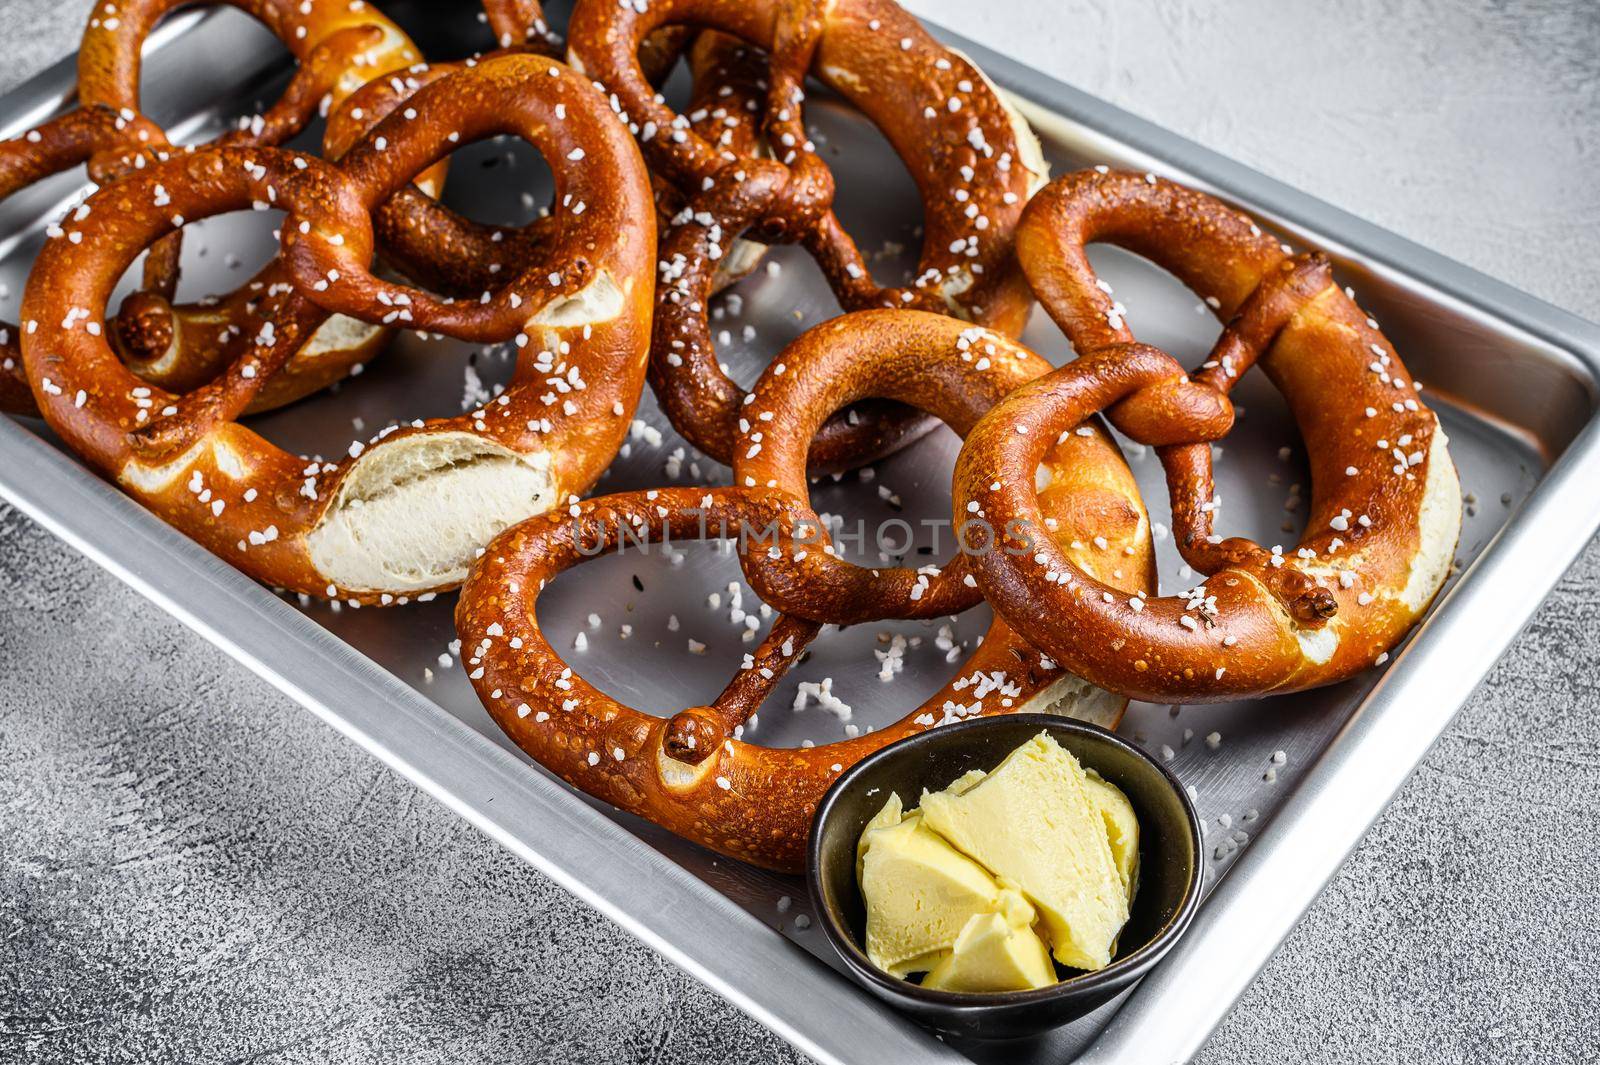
<point x="954" y="372"/>
<point x="1386" y="499"/>
<point x="339" y="45"/>
<point x="973" y="158"/>
<point x="436" y="247"/>
<point x="692" y="772"/>
<point x="403" y="513"/>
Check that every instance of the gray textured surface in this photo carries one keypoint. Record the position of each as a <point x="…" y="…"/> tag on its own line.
<point x="191" y="868"/>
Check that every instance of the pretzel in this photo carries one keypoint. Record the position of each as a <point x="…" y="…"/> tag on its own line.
<point x="522" y="22"/>
<point x="403" y="514"/>
<point x="426" y="241"/>
<point x="692" y="773"/>
<point x="973" y="158"/>
<point x="338" y="45"/>
<point x="1386" y="502"/>
<point x="729" y="81"/>
<point x="448" y="253"/>
<point x="954" y="372"/>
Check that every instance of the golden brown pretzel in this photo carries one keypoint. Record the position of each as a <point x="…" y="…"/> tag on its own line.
<point x="404" y="513"/>
<point x="429" y="243"/>
<point x="522" y="23"/>
<point x="58" y="145"/>
<point x="691" y="773"/>
<point x="955" y="372"/>
<point x="426" y="241"/>
<point x="973" y="159"/>
<point x="339" y="45"/>
<point x="457" y="256"/>
<point x="1385" y="503"/>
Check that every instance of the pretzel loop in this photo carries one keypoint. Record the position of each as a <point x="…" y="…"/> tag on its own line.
<point x="691" y="772"/>
<point x="403" y="513"/>
<point x="437" y="248"/>
<point x="1386" y="501"/>
<point x="930" y="362"/>
<point x="973" y="159"/>
<point x="338" y="46"/>
<point x="52" y="148"/>
<point x="327" y="253"/>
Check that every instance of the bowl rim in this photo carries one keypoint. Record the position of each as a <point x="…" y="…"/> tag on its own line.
<point x="1110" y="979"/>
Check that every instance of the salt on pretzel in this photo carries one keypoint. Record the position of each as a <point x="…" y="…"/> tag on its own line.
<point x="692" y="773"/>
<point x="1386" y="502"/>
<point x="338" y="46"/>
<point x="60" y="144"/>
<point x="404" y="513"/>
<point x="522" y="23"/>
<point x="973" y="158"/>
<point x="446" y="252"/>
<point x="955" y="372"/>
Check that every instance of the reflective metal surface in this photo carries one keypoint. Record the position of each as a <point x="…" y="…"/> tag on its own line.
<point x="1299" y="777"/>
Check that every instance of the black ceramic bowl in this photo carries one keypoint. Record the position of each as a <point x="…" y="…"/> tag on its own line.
<point x="1169" y="867"/>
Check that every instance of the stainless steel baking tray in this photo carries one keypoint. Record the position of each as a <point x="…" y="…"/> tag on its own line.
<point x="1515" y="381"/>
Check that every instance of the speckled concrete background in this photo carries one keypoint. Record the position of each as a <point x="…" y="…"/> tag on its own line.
<point x="192" y="868"/>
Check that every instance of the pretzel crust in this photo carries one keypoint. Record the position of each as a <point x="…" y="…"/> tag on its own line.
<point x="59" y="145"/>
<point x="1385" y="509"/>
<point x="955" y="372"/>
<point x="973" y="159"/>
<point x="339" y="45"/>
<point x="438" y="248"/>
<point x="689" y="772"/>
<point x="362" y="528"/>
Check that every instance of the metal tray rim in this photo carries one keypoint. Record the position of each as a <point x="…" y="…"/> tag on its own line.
<point x="1252" y="909"/>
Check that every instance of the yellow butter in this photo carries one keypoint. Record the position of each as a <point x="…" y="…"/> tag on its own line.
<point x="1122" y="828"/>
<point x="966" y="782"/>
<point x="992" y="954"/>
<point x="1122" y="825"/>
<point x="1032" y="821"/>
<point x="889" y="815"/>
<point x="920" y="892"/>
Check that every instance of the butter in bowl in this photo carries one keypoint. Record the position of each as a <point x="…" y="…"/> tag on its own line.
<point x="998" y="873"/>
<point x="1045" y="866"/>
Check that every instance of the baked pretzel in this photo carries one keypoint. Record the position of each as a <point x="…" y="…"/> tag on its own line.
<point x="454" y="255"/>
<point x="404" y="513"/>
<point x="973" y="158"/>
<point x="58" y="145"/>
<point x="522" y="23"/>
<point x="1386" y="502"/>
<point x="338" y="45"/>
<point x="955" y="372"/>
<point x="729" y="87"/>
<point x="691" y="773"/>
